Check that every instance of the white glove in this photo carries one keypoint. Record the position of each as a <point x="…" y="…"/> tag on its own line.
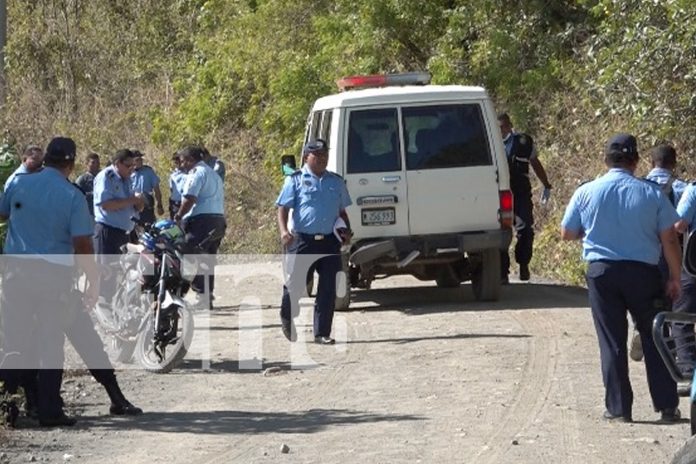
<point x="545" y="195"/>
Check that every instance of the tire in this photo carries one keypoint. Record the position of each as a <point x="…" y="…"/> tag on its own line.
<point x="446" y="278"/>
<point x="485" y="280"/>
<point x="343" y="285"/>
<point x="145" y="355"/>
<point x="119" y="351"/>
<point x="692" y="418"/>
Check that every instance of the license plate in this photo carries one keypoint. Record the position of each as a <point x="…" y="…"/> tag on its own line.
<point x="378" y="217"/>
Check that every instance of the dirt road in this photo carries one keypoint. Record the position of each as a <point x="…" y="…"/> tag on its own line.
<point x="419" y="374"/>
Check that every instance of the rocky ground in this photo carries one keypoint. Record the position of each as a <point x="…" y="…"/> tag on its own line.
<point x="419" y="374"/>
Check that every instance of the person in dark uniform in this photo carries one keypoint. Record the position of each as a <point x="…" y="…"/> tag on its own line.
<point x="114" y="206"/>
<point x="51" y="228"/>
<point x="318" y="198"/>
<point x="177" y="179"/>
<point x="521" y="153"/>
<point x="203" y="214"/>
<point x="625" y="223"/>
<point x="86" y="180"/>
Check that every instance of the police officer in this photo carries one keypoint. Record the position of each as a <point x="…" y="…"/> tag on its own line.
<point x="203" y="215"/>
<point x="177" y="179"/>
<point x="50" y="226"/>
<point x="624" y="222"/>
<point x="214" y="163"/>
<point x="318" y="199"/>
<point x="114" y="206"/>
<point x="86" y="180"/>
<point x="686" y="303"/>
<point x="144" y="180"/>
<point x="32" y="159"/>
<point x="521" y="153"/>
<point x="664" y="162"/>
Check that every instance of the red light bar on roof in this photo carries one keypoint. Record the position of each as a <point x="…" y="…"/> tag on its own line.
<point x="383" y="80"/>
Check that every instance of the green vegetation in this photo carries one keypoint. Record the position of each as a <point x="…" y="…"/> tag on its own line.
<point x="240" y="75"/>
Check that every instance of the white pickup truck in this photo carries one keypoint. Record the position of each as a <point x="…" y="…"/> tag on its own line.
<point x="426" y="169"/>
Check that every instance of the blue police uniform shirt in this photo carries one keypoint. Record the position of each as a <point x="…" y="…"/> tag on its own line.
<point x="315" y="201"/>
<point x="144" y="180"/>
<point x="621" y="217"/>
<point x="662" y="176"/>
<point x="204" y="184"/>
<point x="108" y="185"/>
<point x="22" y="169"/>
<point x="177" y="179"/>
<point x="46" y="212"/>
<point x="686" y="208"/>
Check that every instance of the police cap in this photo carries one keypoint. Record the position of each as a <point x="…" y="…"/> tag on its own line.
<point x="622" y="146"/>
<point x="61" y="149"/>
<point x="315" y="146"/>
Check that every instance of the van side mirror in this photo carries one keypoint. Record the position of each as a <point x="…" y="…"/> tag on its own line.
<point x="287" y="165"/>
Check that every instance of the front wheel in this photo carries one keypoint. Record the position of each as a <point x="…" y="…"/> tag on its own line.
<point x="485" y="280"/>
<point x="173" y="352"/>
<point x="343" y="284"/>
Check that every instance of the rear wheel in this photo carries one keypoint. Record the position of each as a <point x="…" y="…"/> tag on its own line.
<point x="692" y="418"/>
<point x="485" y="280"/>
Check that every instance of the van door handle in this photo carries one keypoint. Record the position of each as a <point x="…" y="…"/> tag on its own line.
<point x="391" y="178"/>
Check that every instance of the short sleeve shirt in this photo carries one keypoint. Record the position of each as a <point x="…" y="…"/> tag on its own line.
<point x="621" y="217"/>
<point x="46" y="212"/>
<point x="108" y="185"/>
<point x="316" y="201"/>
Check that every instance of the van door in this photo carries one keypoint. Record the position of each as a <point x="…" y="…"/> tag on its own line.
<point x="374" y="173"/>
<point x="452" y="178"/>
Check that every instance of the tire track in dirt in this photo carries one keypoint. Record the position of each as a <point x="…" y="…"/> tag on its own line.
<point x="330" y="383"/>
<point x="535" y="387"/>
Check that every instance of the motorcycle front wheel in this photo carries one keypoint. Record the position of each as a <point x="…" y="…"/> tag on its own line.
<point x="174" y="352"/>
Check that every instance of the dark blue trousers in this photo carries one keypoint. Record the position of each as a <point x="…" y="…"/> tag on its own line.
<point x="197" y="229"/>
<point x="684" y="333"/>
<point x="107" y="246"/>
<point x="33" y="310"/>
<point x="524" y="231"/>
<point x="303" y="256"/>
<point x="614" y="287"/>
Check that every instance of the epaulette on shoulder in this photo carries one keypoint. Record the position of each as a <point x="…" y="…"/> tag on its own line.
<point x="654" y="183"/>
<point x="296" y="173"/>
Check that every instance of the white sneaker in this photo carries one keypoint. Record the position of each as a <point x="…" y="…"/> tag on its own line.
<point x="635" y="352"/>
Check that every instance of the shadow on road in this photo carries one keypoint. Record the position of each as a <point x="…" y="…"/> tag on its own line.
<point x="241" y="422"/>
<point x="428" y="300"/>
<point x="400" y="341"/>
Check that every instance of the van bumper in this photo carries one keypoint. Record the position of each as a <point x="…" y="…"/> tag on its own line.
<point x="433" y="246"/>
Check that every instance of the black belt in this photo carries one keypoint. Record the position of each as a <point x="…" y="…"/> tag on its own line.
<point x="315" y="237"/>
<point x="116" y="229"/>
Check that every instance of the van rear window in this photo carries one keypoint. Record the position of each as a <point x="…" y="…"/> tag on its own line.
<point x="373" y="141"/>
<point x="445" y="136"/>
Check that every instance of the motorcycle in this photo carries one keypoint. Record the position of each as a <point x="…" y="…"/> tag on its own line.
<point x="149" y="318"/>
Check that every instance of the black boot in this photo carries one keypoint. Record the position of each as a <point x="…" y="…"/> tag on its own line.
<point x="120" y="406"/>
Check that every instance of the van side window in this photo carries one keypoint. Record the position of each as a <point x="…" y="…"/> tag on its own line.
<point x="373" y="141"/>
<point x="313" y="126"/>
<point x="445" y="136"/>
<point x="325" y="129"/>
